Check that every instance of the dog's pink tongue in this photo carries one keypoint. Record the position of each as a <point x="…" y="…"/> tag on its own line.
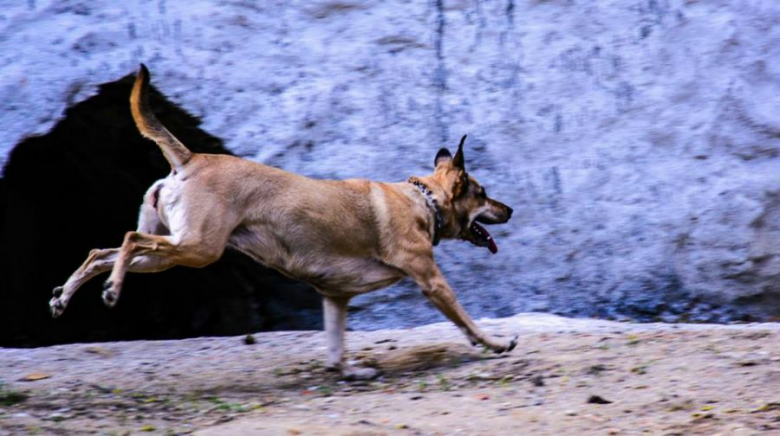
<point x="492" y="243"/>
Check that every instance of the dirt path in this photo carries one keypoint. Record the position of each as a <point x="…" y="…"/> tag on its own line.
<point x="566" y="377"/>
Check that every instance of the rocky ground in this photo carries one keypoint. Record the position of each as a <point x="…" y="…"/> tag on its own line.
<point x="567" y="377"/>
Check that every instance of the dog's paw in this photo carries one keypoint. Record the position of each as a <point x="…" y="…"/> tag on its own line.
<point x="57" y="292"/>
<point x="110" y="296"/>
<point x="56" y="306"/>
<point x="354" y="373"/>
<point x="508" y="347"/>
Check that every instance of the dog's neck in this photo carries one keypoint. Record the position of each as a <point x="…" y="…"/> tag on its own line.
<point x="430" y="200"/>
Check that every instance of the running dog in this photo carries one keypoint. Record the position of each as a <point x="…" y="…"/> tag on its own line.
<point x="343" y="238"/>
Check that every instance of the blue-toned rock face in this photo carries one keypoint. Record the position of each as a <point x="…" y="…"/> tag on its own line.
<point x="638" y="142"/>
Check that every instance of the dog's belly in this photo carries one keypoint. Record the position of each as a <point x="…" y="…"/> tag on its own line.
<point x="330" y="273"/>
<point x="346" y="277"/>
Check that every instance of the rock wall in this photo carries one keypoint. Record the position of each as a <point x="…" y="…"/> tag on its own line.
<point x="638" y="141"/>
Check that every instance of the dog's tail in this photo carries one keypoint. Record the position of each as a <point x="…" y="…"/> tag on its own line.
<point x="177" y="154"/>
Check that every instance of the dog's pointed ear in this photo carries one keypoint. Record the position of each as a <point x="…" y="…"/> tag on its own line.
<point x="459" y="161"/>
<point x="441" y="156"/>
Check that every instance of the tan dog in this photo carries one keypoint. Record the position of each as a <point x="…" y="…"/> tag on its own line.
<point x="343" y="238"/>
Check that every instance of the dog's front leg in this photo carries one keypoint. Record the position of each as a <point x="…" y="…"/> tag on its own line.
<point x="335" y="311"/>
<point x="435" y="287"/>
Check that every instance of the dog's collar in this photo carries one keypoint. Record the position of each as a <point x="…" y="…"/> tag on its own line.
<point x="433" y="205"/>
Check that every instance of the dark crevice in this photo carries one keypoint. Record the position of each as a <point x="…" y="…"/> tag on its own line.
<point x="79" y="187"/>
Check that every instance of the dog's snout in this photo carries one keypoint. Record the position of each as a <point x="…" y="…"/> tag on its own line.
<point x="509" y="212"/>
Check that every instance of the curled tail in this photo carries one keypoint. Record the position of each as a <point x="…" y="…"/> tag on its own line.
<point x="150" y="127"/>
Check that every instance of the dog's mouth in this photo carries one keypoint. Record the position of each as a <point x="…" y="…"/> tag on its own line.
<point x="481" y="237"/>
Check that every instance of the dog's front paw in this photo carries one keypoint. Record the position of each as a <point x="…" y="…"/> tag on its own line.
<point x="110" y="295"/>
<point x="56" y="306"/>
<point x="506" y="348"/>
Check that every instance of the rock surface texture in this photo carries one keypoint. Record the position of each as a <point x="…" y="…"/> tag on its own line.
<point x="638" y="141"/>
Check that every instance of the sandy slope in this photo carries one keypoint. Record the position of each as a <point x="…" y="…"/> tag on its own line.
<point x="658" y="379"/>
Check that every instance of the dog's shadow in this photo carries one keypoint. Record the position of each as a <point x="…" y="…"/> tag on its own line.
<point x="397" y="364"/>
<point x="422" y="358"/>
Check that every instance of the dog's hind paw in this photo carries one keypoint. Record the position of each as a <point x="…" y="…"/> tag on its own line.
<point x="110" y="296"/>
<point x="353" y="373"/>
<point x="56" y="306"/>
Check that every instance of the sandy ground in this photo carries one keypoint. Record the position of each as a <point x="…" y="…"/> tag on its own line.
<point x="566" y="377"/>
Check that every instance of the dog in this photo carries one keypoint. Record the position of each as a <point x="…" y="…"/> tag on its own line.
<point x="343" y="238"/>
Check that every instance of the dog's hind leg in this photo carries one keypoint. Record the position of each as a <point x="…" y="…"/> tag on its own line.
<point x="335" y="312"/>
<point x="190" y="250"/>
<point x="98" y="262"/>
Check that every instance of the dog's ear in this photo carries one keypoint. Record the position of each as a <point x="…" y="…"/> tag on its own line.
<point x="459" y="161"/>
<point x="441" y="156"/>
<point x="461" y="185"/>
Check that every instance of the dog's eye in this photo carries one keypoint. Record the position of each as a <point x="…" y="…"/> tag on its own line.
<point x="482" y="192"/>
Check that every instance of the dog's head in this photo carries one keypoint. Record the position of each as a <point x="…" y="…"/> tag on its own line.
<point x="468" y="203"/>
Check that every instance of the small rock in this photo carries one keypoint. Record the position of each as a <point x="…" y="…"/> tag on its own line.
<point x="596" y="369"/>
<point x="484" y="376"/>
<point x="595" y="399"/>
<point x="249" y="340"/>
<point x="35" y="377"/>
<point x="100" y="351"/>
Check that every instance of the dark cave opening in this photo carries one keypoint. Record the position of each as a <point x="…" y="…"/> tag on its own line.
<point x="80" y="187"/>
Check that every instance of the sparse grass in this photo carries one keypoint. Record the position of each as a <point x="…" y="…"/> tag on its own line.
<point x="10" y="397"/>
<point x="444" y="382"/>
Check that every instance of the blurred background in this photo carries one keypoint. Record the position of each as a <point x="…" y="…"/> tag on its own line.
<point x="637" y="140"/>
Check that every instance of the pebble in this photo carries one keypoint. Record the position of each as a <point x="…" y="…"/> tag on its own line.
<point x="484" y="376"/>
<point x="57" y="416"/>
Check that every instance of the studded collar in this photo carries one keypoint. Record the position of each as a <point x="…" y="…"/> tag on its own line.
<point x="430" y="200"/>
